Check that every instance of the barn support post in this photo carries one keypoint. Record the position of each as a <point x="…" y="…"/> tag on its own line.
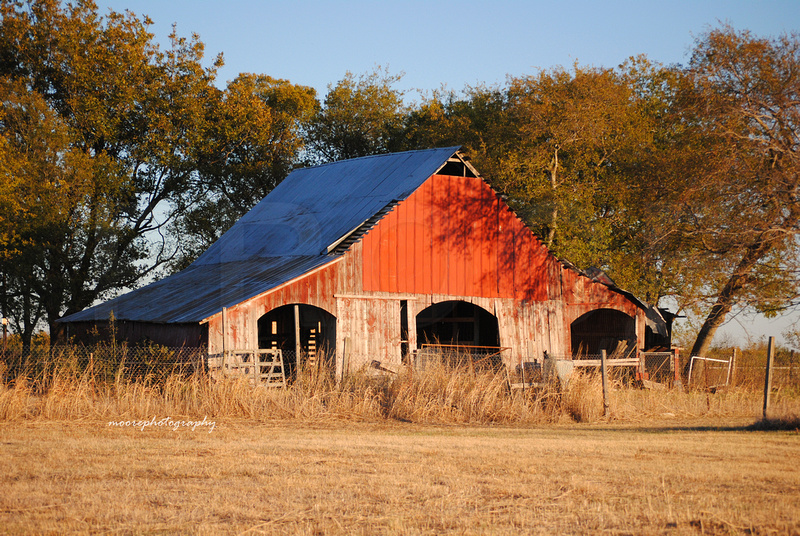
<point x="224" y="330"/>
<point x="297" y="335"/>
<point x="604" y="373"/>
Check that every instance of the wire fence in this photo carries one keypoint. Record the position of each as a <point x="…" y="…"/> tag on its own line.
<point x="103" y="363"/>
<point x="155" y="363"/>
<point x="152" y="364"/>
<point x="713" y="374"/>
<point x="660" y="367"/>
<point x="459" y="356"/>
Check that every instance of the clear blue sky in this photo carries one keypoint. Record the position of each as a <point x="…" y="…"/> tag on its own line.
<point x="456" y="44"/>
<point x="435" y="42"/>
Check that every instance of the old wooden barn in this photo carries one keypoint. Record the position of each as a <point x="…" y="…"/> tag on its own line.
<point x="374" y="257"/>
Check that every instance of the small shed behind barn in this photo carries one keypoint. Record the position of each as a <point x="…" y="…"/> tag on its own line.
<point x="370" y="259"/>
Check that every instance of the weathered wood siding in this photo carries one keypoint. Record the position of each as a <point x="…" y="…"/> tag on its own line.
<point x="316" y="288"/>
<point x="451" y="239"/>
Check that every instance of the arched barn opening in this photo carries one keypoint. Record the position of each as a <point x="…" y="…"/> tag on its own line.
<point x="603" y="329"/>
<point x="459" y="327"/>
<point x="302" y="328"/>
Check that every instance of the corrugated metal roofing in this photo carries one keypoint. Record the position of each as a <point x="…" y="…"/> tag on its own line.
<point x="284" y="236"/>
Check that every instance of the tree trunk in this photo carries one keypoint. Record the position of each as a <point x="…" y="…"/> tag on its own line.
<point x="28" y="326"/>
<point x="551" y="235"/>
<point x="713" y="321"/>
<point x="727" y="298"/>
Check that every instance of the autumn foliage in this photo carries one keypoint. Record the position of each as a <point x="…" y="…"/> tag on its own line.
<point x="121" y="160"/>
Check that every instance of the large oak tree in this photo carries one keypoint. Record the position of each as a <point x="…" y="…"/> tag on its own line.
<point x="738" y="215"/>
<point x="112" y="142"/>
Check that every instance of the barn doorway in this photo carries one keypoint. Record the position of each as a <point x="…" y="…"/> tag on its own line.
<point x="299" y="329"/>
<point x="457" y="333"/>
<point x="457" y="323"/>
<point x="603" y="329"/>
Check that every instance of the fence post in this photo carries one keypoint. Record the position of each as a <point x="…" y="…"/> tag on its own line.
<point x="730" y="368"/>
<point x="768" y="375"/>
<point x="604" y="374"/>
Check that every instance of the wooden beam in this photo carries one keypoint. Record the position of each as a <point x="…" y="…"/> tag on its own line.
<point x="297" y="336"/>
<point x="628" y="362"/>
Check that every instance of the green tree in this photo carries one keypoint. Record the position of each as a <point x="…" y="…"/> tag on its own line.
<point x="360" y="116"/>
<point x="576" y="152"/>
<point x="38" y="168"/>
<point x="476" y="119"/>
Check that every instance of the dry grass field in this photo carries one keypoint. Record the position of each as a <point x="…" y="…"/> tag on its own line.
<point x="338" y="477"/>
<point x="436" y="453"/>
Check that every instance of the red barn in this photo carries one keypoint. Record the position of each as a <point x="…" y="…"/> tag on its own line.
<point x="372" y="257"/>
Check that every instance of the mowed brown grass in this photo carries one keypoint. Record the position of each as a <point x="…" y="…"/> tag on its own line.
<point x="441" y="452"/>
<point x="670" y="476"/>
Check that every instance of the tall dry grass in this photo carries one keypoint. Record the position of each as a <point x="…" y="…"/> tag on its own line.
<point x="437" y="395"/>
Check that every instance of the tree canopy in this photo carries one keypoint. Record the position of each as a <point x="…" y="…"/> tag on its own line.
<point x="113" y="144"/>
<point x="359" y="117"/>
<point x="740" y="99"/>
<point x="123" y="161"/>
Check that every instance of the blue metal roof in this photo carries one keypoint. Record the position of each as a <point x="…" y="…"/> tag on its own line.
<point x="284" y="236"/>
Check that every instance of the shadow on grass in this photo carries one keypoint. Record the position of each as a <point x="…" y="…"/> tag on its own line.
<point x="768" y="425"/>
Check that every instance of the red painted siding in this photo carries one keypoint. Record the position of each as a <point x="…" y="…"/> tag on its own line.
<point x="453" y="236"/>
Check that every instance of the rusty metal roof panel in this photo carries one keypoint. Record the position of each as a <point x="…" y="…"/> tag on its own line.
<point x="284" y="236"/>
